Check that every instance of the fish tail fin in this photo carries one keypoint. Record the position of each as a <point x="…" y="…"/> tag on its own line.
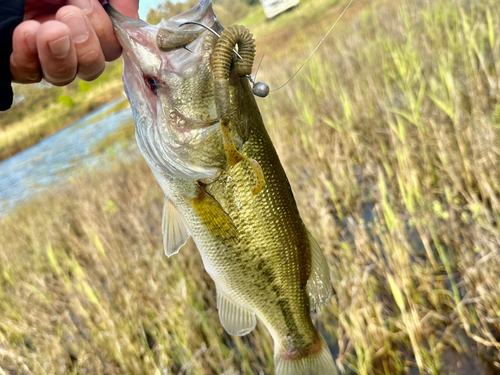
<point x="319" y="363"/>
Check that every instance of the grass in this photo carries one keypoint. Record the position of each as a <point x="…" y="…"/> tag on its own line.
<point x="46" y="110"/>
<point x="390" y="138"/>
<point x="122" y="136"/>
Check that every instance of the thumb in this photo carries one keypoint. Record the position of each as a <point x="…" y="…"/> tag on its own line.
<point x="129" y="8"/>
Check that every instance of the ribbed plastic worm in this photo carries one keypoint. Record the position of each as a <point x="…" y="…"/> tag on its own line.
<point x="222" y="62"/>
<point x="168" y="40"/>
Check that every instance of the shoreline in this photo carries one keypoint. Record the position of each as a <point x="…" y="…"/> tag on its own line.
<point x="47" y="109"/>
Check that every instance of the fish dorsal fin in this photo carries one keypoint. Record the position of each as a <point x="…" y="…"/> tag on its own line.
<point x="235" y="319"/>
<point x="175" y="234"/>
<point x="319" y="287"/>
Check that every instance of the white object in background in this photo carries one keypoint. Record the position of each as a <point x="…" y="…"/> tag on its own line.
<point x="275" y="7"/>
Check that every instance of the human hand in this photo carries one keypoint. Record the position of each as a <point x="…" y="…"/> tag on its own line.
<point x="60" y="39"/>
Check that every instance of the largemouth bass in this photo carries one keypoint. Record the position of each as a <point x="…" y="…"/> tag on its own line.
<point x="200" y="131"/>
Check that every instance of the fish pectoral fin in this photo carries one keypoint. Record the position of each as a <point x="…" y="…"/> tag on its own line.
<point x="175" y="233"/>
<point x="235" y="319"/>
<point x="318" y="287"/>
<point x="213" y="216"/>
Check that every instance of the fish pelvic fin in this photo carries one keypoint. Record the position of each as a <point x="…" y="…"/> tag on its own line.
<point x="317" y="363"/>
<point x="175" y="233"/>
<point x="236" y="320"/>
<point x="319" y="286"/>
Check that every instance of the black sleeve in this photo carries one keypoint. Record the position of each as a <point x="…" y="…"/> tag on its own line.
<point x="11" y="15"/>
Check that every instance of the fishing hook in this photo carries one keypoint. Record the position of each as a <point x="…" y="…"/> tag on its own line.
<point x="260" y="89"/>
<point x="209" y="29"/>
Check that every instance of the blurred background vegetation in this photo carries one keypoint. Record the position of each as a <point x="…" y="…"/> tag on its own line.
<point x="390" y="137"/>
<point x="227" y="11"/>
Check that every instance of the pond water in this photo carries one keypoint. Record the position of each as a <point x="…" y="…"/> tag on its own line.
<point x="60" y="156"/>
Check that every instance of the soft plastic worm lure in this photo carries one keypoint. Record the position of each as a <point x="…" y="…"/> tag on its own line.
<point x="222" y="58"/>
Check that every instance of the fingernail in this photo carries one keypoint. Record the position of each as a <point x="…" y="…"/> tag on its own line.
<point x="78" y="27"/>
<point x="60" y="47"/>
<point x="34" y="77"/>
<point x="31" y="41"/>
<point x="82" y="4"/>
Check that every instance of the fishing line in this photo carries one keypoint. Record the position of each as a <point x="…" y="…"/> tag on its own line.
<point x="258" y="67"/>
<point x="319" y="45"/>
<point x="261" y="89"/>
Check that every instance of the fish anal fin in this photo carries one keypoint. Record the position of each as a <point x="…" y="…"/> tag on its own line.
<point x="236" y="320"/>
<point x="319" y="287"/>
<point x="175" y="233"/>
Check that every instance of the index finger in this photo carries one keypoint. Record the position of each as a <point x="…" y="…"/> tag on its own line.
<point x="102" y="26"/>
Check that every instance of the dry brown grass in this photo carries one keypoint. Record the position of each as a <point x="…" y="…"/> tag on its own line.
<point x="390" y="138"/>
<point x="86" y="288"/>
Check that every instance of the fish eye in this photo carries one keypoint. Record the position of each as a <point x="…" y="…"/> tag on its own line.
<point x="151" y="83"/>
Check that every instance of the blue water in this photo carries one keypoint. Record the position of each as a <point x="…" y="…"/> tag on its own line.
<point x="56" y="158"/>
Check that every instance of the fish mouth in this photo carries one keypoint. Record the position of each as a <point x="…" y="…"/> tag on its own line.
<point x="169" y="62"/>
<point x="167" y="77"/>
<point x="201" y="13"/>
<point x="136" y="35"/>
